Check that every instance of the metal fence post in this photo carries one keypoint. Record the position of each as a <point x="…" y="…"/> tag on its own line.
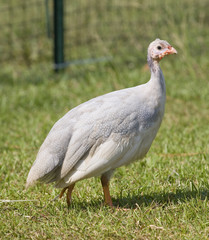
<point x="58" y="34"/>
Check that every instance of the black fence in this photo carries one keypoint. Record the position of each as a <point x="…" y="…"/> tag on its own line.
<point x="92" y="30"/>
<point x="82" y="31"/>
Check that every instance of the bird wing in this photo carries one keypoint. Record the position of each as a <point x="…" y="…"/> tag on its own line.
<point x="104" y="157"/>
<point x="107" y="130"/>
<point x="82" y="129"/>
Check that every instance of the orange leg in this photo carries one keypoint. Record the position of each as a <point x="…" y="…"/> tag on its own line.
<point x="105" y="186"/>
<point x="69" y="193"/>
<point x="62" y="192"/>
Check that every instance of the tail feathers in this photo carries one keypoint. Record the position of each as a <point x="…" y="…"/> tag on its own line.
<point x="35" y="176"/>
<point x="30" y="183"/>
<point x="52" y="176"/>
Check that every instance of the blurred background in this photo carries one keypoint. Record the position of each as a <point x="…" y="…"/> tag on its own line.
<point x="57" y="54"/>
<point x="95" y="31"/>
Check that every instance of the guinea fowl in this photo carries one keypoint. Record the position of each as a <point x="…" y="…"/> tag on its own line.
<point x="104" y="133"/>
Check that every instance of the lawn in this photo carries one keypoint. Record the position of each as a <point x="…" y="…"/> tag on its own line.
<point x="163" y="196"/>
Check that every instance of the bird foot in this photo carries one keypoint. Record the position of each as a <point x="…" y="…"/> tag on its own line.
<point x="69" y="193"/>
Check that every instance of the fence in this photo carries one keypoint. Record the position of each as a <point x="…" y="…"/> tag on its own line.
<point x="93" y="30"/>
<point x="101" y="30"/>
<point x="24" y="32"/>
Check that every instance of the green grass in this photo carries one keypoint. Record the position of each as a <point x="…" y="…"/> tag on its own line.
<point x="164" y="196"/>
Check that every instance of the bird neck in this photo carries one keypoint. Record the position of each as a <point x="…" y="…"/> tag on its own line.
<point x="157" y="78"/>
<point x="153" y="65"/>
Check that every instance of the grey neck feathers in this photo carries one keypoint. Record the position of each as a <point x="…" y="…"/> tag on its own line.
<point x="156" y="73"/>
<point x="153" y="65"/>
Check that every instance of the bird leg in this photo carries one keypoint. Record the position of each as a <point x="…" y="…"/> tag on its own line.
<point x="69" y="193"/>
<point x="62" y="192"/>
<point x="105" y="186"/>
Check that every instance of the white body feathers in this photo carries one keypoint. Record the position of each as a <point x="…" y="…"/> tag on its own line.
<point x="101" y="134"/>
<point x="106" y="132"/>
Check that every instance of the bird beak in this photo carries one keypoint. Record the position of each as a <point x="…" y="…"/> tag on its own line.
<point x="170" y="50"/>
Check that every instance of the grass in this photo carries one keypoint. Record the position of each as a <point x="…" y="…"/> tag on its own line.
<point x="164" y="196"/>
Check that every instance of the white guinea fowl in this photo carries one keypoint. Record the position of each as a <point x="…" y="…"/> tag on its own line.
<point x="104" y="133"/>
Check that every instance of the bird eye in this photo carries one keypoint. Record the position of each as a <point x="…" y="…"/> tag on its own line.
<point x="159" y="47"/>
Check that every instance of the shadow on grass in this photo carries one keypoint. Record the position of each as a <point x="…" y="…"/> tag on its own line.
<point x="161" y="199"/>
<point x="152" y="200"/>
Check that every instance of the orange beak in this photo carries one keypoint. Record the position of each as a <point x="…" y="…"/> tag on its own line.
<point x="170" y="50"/>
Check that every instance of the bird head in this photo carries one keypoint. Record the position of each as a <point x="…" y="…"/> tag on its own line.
<point x="158" y="49"/>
